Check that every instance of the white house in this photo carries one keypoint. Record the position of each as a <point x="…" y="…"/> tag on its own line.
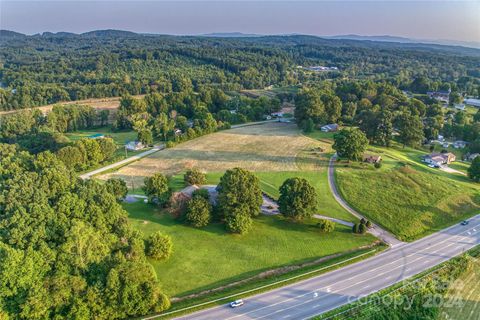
<point x="329" y="127"/>
<point x="134" y="146"/>
<point x="459" y="144"/>
<point x="439" y="158"/>
<point x="472" y="102"/>
<point x="460" y="107"/>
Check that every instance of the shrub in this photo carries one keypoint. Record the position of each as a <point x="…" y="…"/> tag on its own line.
<point x="159" y="246"/>
<point x="378" y="165"/>
<point x="202" y="193"/>
<point x="239" y="220"/>
<point x="355" y="228"/>
<point x="170" y="144"/>
<point x="194" y="176"/>
<point x="326" y="225"/>
<point x="198" y="213"/>
<point x="362" y="228"/>
<point x="368" y="224"/>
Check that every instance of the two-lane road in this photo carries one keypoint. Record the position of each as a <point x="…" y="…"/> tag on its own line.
<point x="317" y="295"/>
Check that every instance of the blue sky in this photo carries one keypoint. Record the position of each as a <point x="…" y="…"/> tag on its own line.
<point x="455" y="20"/>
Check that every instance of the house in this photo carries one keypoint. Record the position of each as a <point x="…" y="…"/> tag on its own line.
<point x="371" y="158"/>
<point x="439" y="159"/>
<point x="177" y="132"/>
<point x="187" y="192"/>
<point x="443" y="96"/>
<point x="472" y="156"/>
<point x="441" y="138"/>
<point x="96" y="136"/>
<point x="472" y="102"/>
<point x="329" y="127"/>
<point x="459" y="144"/>
<point x="445" y="144"/>
<point x="134" y="146"/>
<point x="277" y="114"/>
<point x="460" y="107"/>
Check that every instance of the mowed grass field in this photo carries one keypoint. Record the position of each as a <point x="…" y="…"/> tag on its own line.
<point x="464" y="296"/>
<point x="210" y="257"/>
<point x="405" y="196"/>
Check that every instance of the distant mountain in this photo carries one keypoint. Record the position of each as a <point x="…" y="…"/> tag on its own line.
<point x="387" y="38"/>
<point x="230" y="35"/>
<point x="11" y="34"/>
<point x="109" y="33"/>
<point x="59" y="34"/>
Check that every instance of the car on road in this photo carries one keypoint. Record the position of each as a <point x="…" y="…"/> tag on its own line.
<point x="464" y="222"/>
<point x="236" y="303"/>
<point x="434" y="165"/>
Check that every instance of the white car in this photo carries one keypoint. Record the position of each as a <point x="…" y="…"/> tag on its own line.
<point x="236" y="303"/>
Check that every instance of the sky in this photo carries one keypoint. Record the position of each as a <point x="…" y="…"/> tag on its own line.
<point x="452" y="20"/>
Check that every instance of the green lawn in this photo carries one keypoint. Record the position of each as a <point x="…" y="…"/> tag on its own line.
<point x="209" y="257"/>
<point x="120" y="137"/>
<point x="270" y="183"/>
<point x="405" y="196"/>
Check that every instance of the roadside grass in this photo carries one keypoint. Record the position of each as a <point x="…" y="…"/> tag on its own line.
<point x="465" y="294"/>
<point x="210" y="257"/>
<point x="405" y="196"/>
<point x="458" y="302"/>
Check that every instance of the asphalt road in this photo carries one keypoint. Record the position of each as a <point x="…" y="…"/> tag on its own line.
<point x="308" y="298"/>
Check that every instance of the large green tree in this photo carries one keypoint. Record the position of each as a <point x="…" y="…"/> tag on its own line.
<point x="410" y="129"/>
<point x="350" y="143"/>
<point x="474" y="170"/>
<point x="298" y="199"/>
<point x="156" y="188"/>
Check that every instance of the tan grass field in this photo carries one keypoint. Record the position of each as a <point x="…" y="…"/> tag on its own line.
<point x="111" y="104"/>
<point x="266" y="147"/>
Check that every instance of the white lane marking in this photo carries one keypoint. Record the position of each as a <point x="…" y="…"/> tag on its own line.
<point x="363" y="274"/>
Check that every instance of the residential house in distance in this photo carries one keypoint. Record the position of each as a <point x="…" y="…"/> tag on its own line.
<point x="134" y="146"/>
<point x="472" y="102"/>
<point x="472" y="156"/>
<point x="460" y="107"/>
<point x="460" y="144"/>
<point x="329" y="127"/>
<point x="370" y="158"/>
<point x="442" y="96"/>
<point x="439" y="159"/>
<point x="96" y="136"/>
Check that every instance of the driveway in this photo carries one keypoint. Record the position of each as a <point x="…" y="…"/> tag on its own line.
<point x="376" y="230"/>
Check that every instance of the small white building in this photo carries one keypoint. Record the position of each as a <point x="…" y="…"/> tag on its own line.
<point x="134" y="146"/>
<point x="460" y="144"/>
<point x="460" y="107"/>
<point x="329" y="127"/>
<point x="472" y="102"/>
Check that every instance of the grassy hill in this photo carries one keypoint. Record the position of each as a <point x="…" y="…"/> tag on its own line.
<point x="405" y="196"/>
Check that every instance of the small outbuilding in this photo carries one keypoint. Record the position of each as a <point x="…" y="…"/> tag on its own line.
<point x="329" y="127"/>
<point x="370" y="158"/>
<point x="134" y="146"/>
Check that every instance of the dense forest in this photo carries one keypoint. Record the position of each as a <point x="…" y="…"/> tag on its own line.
<point x="48" y="68"/>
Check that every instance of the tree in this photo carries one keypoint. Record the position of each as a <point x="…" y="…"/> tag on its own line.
<point x="159" y="246"/>
<point x="156" y="188"/>
<point x="309" y="105"/>
<point x="239" y="219"/>
<point x="145" y="137"/>
<point x="163" y="125"/>
<point x="474" y="170"/>
<point x="194" y="176"/>
<point x="411" y="129"/>
<point x="239" y="187"/>
<point x="308" y="126"/>
<point x="107" y="147"/>
<point x="198" y="213"/>
<point x="298" y="199"/>
<point x="350" y="143"/>
<point x="326" y="226"/>
<point x="117" y="187"/>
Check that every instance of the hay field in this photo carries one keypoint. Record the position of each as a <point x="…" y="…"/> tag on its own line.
<point x="267" y="147"/>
